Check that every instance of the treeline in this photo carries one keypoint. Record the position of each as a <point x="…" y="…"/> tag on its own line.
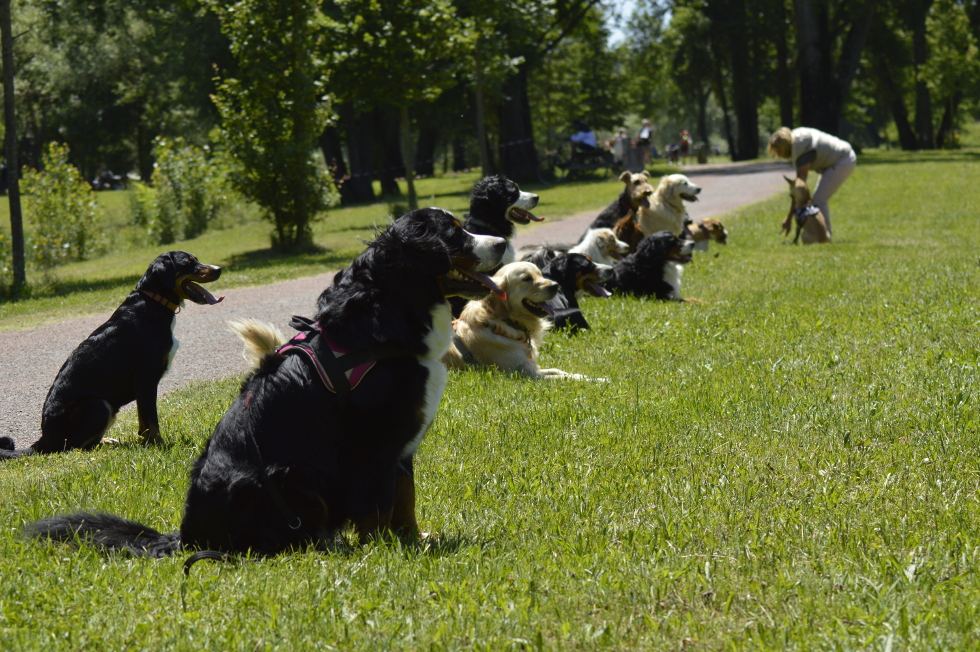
<point x="386" y="89"/>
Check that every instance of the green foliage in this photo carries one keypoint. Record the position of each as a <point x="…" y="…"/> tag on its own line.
<point x="189" y="189"/>
<point x="274" y="110"/>
<point x="61" y="206"/>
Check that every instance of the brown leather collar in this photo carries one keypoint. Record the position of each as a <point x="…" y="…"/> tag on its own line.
<point x="163" y="301"/>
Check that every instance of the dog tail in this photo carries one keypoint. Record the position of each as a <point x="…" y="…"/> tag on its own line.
<point x="9" y="451"/>
<point x="106" y="532"/>
<point x="260" y="339"/>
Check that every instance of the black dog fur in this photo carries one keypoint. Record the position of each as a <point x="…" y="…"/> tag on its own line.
<point x="574" y="273"/>
<point x="644" y="273"/>
<point x="330" y="465"/>
<point x="122" y="361"/>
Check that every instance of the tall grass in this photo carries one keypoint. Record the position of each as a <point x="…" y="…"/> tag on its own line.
<point x="793" y="465"/>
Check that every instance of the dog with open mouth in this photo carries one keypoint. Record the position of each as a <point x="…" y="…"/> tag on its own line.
<point x="505" y="330"/>
<point x="577" y="276"/>
<point x="666" y="210"/>
<point x="324" y="431"/>
<point x="654" y="269"/>
<point x="122" y="361"/>
<point x="496" y="205"/>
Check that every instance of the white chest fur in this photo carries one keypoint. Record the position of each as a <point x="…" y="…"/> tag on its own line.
<point x="437" y="343"/>
<point x="175" y="344"/>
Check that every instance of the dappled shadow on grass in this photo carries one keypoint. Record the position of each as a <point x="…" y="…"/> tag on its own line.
<point x="64" y="287"/>
<point x="269" y="258"/>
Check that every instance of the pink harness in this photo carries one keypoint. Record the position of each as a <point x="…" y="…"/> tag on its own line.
<point x="354" y="376"/>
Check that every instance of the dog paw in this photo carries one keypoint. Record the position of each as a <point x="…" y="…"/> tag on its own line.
<point x="109" y="441"/>
<point x="151" y="437"/>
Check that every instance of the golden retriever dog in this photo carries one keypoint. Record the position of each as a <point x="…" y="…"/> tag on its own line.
<point x="666" y="211"/>
<point x="506" y="333"/>
<point x="706" y="230"/>
<point x="602" y="246"/>
<point x="810" y="222"/>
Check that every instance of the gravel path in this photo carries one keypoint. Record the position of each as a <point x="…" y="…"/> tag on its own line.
<point x="29" y="360"/>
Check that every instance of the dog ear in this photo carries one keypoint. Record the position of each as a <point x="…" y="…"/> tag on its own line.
<point x="788" y="180"/>
<point x="625" y="177"/>
<point x="160" y="275"/>
<point x="500" y="309"/>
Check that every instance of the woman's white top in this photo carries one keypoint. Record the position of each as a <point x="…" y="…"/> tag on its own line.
<point x="829" y="149"/>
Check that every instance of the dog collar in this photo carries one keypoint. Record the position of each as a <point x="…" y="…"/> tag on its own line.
<point x="625" y="204"/>
<point x="481" y="224"/>
<point x="163" y="301"/>
<point x="497" y="330"/>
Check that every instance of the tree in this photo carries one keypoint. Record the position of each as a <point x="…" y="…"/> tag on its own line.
<point x="10" y="125"/>
<point x="274" y="111"/>
<point x="953" y="66"/>
<point x="396" y="53"/>
<point x="824" y="87"/>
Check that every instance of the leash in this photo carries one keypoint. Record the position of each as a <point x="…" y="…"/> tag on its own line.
<point x="331" y="365"/>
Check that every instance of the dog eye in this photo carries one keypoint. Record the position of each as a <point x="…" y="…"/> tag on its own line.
<point x="527" y="278"/>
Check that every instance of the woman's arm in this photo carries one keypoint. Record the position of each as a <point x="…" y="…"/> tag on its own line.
<point x="802" y="171"/>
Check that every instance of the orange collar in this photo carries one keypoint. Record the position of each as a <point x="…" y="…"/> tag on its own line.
<point x="163" y="301"/>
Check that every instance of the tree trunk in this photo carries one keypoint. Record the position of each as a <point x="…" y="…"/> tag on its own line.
<point x="518" y="156"/>
<point x="13" y="168"/>
<point x="459" y="155"/>
<point x="784" y="80"/>
<point x="481" y="122"/>
<point x="389" y="136"/>
<point x="144" y="151"/>
<point x="360" y="144"/>
<point x="745" y="95"/>
<point x="923" y="103"/>
<point x="948" y="122"/>
<point x="425" y="153"/>
<point x="333" y="158"/>
<point x="406" y="131"/>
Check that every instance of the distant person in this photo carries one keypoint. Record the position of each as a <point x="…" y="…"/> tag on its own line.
<point x="620" y="145"/>
<point x="582" y="137"/>
<point x="811" y="149"/>
<point x="644" y="139"/>
<point x="685" y="146"/>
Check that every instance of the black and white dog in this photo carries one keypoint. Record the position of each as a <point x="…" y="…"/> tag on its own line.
<point x="577" y="275"/>
<point x="654" y="269"/>
<point x="122" y="361"/>
<point x="305" y="449"/>
<point x="496" y="205"/>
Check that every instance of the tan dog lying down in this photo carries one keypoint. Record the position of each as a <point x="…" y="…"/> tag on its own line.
<point x="506" y="333"/>
<point x="666" y="211"/>
<point x="810" y="221"/>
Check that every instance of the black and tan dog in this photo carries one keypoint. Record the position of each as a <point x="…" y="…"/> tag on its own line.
<point x="654" y="269"/>
<point x="122" y="361"/>
<point x="636" y="193"/>
<point x="577" y="276"/>
<point x="307" y="448"/>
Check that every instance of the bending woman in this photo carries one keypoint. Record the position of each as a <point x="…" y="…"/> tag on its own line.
<point x="812" y="149"/>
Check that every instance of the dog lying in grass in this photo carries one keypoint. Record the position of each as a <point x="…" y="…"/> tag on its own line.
<point x="704" y="231"/>
<point x="306" y="447"/>
<point x="602" y="246"/>
<point x="666" y="210"/>
<point x="654" y="269"/>
<point x="506" y="331"/>
<point x="810" y="222"/>
<point x="122" y="361"/>
<point x="577" y="276"/>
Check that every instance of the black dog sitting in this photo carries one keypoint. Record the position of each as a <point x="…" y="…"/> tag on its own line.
<point x="576" y="275"/>
<point x="654" y="269"/>
<point x="122" y="361"/>
<point x="304" y="450"/>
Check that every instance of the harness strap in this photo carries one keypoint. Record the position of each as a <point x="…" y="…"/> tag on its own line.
<point x="802" y="214"/>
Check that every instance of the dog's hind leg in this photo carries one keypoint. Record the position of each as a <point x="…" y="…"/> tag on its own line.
<point x="87" y="422"/>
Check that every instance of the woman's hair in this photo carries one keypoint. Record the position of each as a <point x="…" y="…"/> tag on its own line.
<point x="781" y="143"/>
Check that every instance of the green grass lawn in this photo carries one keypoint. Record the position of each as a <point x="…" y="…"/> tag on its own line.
<point x="793" y="465"/>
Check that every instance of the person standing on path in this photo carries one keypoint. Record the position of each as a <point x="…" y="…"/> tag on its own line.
<point x="811" y="149"/>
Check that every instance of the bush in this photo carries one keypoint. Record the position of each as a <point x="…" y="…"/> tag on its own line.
<point x="188" y="192"/>
<point x="62" y="208"/>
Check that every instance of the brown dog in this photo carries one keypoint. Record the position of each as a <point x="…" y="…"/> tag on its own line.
<point x="810" y="222"/>
<point x="628" y="231"/>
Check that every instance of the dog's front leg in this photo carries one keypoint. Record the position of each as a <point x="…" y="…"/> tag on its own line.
<point x="788" y="222"/>
<point x="403" y="521"/>
<point x="146" y="410"/>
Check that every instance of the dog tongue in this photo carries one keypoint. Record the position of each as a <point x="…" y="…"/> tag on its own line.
<point x="598" y="290"/>
<point x="207" y="295"/>
<point x="548" y="308"/>
<point x="488" y="282"/>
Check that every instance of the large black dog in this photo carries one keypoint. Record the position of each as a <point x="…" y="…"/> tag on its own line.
<point x="292" y="462"/>
<point x="654" y="269"/>
<point x="122" y="361"/>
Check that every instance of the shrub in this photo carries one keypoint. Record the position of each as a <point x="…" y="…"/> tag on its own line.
<point x="189" y="191"/>
<point x="62" y="208"/>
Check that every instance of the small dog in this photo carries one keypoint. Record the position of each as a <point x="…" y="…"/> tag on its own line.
<point x="122" y="361"/>
<point x="496" y="205"/>
<point x="628" y="231"/>
<point x="602" y="246"/>
<point x="577" y="275"/>
<point x="810" y="222"/>
<point x="704" y="231"/>
<point x="666" y="210"/>
<point x="324" y="431"/>
<point x="636" y="193"/>
<point x="506" y="331"/>
<point x="654" y="269"/>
